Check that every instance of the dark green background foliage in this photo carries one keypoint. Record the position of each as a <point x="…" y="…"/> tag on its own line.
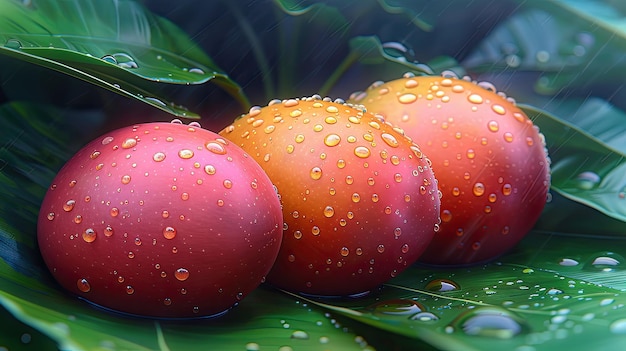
<point x="70" y="70"/>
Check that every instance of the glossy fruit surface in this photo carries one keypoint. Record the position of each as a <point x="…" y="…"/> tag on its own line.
<point x="162" y="220"/>
<point x="489" y="158"/>
<point x="360" y="201"/>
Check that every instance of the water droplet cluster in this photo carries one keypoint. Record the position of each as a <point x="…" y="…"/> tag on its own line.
<point x="351" y="185"/>
<point x="147" y="204"/>
<point x="488" y="156"/>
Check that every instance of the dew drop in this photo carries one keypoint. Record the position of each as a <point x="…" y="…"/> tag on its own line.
<point x="498" y="109"/>
<point x="227" y="183"/>
<point x="344" y="251"/>
<point x="299" y="138"/>
<point x="508" y="137"/>
<point x="407" y="98"/>
<point x="158" y="157"/>
<point x="315" y="173"/>
<point x="83" y="285"/>
<point x="356" y="197"/>
<point x="181" y="274"/>
<point x="491" y="322"/>
<point x="568" y="262"/>
<point x="389" y="139"/>
<point x="129" y="143"/>
<point x="618" y="326"/>
<point x="215" y="147"/>
<point x="587" y="180"/>
<point x="169" y="232"/>
<point x="362" y="152"/>
<point x="475" y="99"/>
<point x="396" y="307"/>
<point x="332" y="140"/>
<point x="442" y="285"/>
<point x="507" y="189"/>
<point x="69" y="205"/>
<point x="478" y="189"/>
<point x="209" y="169"/>
<point x="315" y="230"/>
<point x="89" y="235"/>
<point x="493" y="126"/>
<point x="114" y="212"/>
<point x="108" y="231"/>
<point x="424" y="317"/>
<point x="125" y="179"/>
<point x="329" y="211"/>
<point x="130" y="290"/>
<point x="185" y="154"/>
<point x="299" y="334"/>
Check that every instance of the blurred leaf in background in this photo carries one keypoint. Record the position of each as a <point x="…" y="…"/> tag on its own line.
<point x="561" y="287"/>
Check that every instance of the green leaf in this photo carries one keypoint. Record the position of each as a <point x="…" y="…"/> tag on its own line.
<point x="584" y="46"/>
<point x="116" y="45"/>
<point x="587" y="151"/>
<point x="542" y="296"/>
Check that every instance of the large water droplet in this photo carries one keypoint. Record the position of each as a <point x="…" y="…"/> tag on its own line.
<point x="69" y="205"/>
<point x="169" y="232"/>
<point x="89" y="235"/>
<point x="587" y="180"/>
<point x="442" y="285"/>
<point x="396" y="307"/>
<point x="181" y="274"/>
<point x="362" y="151"/>
<point x="83" y="285"/>
<point x="316" y="173"/>
<point x="492" y="322"/>
<point x="605" y="261"/>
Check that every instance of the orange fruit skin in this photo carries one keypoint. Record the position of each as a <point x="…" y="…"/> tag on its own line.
<point x="489" y="158"/>
<point x="359" y="199"/>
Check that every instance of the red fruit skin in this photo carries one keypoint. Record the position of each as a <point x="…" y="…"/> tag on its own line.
<point x="359" y="199"/>
<point x="185" y="223"/>
<point x="490" y="161"/>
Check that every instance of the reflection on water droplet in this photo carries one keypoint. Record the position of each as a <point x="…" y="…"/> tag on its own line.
<point x="185" y="154"/>
<point x="475" y="99"/>
<point x="181" y="274"/>
<point x="396" y="307"/>
<point x="316" y="173"/>
<point x="158" y="157"/>
<point x="424" y="317"/>
<point x="69" y="205"/>
<point x="442" y="285"/>
<point x="332" y="140"/>
<point x="587" y="180"/>
<point x="83" y="285"/>
<point x="618" y="326"/>
<point x="329" y="211"/>
<point x="169" y="233"/>
<point x="129" y="143"/>
<point x="362" y="152"/>
<point x="605" y="261"/>
<point x="299" y="334"/>
<point x="215" y="147"/>
<point x="568" y="262"/>
<point x="89" y="235"/>
<point x="13" y="44"/>
<point x="491" y="322"/>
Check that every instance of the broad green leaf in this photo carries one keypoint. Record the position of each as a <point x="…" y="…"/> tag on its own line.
<point x="588" y="148"/>
<point x="116" y="45"/>
<point x="583" y="49"/>
<point x="542" y="296"/>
